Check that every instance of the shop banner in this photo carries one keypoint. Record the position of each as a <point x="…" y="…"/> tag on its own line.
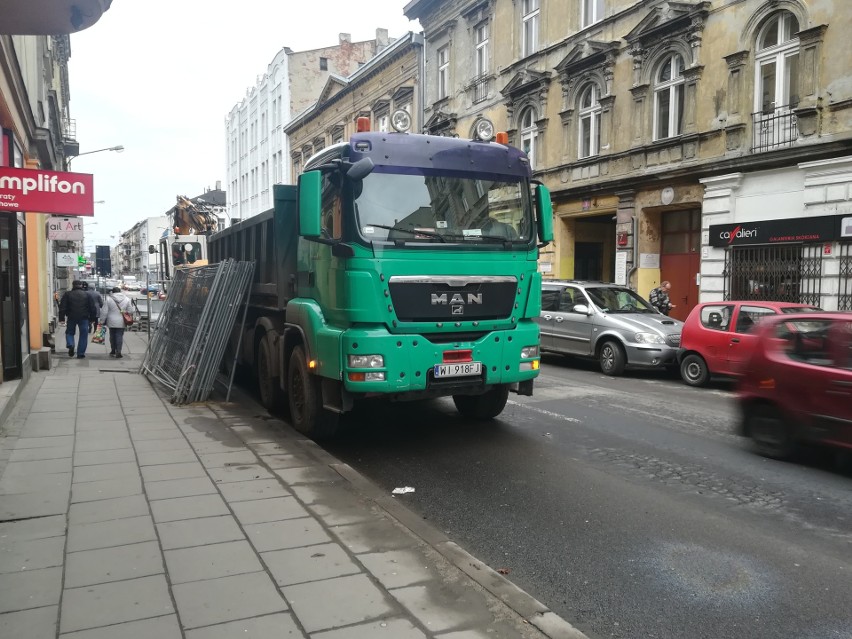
<point x="37" y="191"/>
<point x="64" y="228"/>
<point x="803" y="229"/>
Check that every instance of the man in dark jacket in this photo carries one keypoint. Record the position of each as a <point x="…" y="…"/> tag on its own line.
<point x="81" y="310"/>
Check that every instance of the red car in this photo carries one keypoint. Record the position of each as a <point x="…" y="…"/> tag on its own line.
<point x="718" y="337"/>
<point x="797" y="385"/>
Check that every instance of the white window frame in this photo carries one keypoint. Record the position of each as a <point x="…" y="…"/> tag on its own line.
<point x="443" y="71"/>
<point x="528" y="133"/>
<point x="530" y="12"/>
<point x="675" y="85"/>
<point x="593" y="11"/>
<point x="481" y="39"/>
<point x="589" y="118"/>
<point x="779" y="54"/>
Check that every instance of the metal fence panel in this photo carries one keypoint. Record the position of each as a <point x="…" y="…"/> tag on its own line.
<point x="185" y="351"/>
<point x="781" y="273"/>
<point x="844" y="288"/>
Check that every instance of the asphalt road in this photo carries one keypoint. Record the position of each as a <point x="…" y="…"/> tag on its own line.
<point x="628" y="506"/>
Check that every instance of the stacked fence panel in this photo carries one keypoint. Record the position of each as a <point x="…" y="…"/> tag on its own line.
<point x="194" y="327"/>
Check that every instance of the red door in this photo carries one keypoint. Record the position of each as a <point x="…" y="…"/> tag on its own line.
<point x="681" y="270"/>
<point x="680" y="261"/>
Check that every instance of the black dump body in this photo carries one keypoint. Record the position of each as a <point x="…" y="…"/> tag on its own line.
<point x="271" y="239"/>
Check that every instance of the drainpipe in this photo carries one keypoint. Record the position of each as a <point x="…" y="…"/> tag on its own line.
<point x="635" y="266"/>
<point x="419" y="40"/>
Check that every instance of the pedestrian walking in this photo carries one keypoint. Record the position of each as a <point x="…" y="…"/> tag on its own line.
<point x="112" y="316"/>
<point x="80" y="311"/>
<point x="659" y="297"/>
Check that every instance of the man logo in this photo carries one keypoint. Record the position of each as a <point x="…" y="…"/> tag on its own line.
<point x="457" y="309"/>
<point x="442" y="299"/>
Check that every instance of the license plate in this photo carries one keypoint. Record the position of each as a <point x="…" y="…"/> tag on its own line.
<point x="458" y="370"/>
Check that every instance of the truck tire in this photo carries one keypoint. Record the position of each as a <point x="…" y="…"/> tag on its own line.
<point x="482" y="407"/>
<point x="268" y="385"/>
<point x="305" y="395"/>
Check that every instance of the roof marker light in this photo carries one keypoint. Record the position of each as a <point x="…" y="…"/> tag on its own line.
<point x="502" y="138"/>
<point x="362" y="124"/>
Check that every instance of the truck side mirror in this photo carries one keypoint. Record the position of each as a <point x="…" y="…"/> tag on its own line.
<point x="544" y="214"/>
<point x="310" y="199"/>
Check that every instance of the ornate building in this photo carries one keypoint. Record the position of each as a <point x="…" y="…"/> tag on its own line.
<point x="661" y="126"/>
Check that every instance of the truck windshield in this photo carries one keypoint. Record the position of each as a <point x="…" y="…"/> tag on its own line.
<point x="442" y="209"/>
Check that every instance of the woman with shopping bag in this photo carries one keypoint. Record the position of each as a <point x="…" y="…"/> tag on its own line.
<point x="116" y="310"/>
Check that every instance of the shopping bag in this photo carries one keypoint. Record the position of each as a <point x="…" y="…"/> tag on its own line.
<point x="99" y="336"/>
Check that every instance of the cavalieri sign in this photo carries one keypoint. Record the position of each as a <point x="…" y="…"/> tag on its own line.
<point x="36" y="191"/>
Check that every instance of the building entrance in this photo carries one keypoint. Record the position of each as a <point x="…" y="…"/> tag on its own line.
<point x="680" y="259"/>
<point x="13" y="296"/>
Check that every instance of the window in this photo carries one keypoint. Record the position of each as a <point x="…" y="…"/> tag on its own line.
<point x="590" y="122"/>
<point x="382" y="123"/>
<point x="443" y="72"/>
<point x="481" y="42"/>
<point x="529" y="27"/>
<point x="323" y="64"/>
<point x="749" y="316"/>
<point x="529" y="132"/>
<point x="777" y="64"/>
<point x="668" y="98"/>
<point x="592" y="11"/>
<point x="716" y="318"/>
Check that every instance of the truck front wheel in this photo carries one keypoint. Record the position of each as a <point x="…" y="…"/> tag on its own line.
<point x="305" y="395"/>
<point x="485" y="406"/>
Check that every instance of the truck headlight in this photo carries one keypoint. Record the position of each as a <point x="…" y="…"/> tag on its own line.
<point x="366" y="361"/>
<point x="529" y="351"/>
<point x="649" y="338"/>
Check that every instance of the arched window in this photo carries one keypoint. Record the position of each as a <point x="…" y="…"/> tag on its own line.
<point x="668" y="98"/>
<point x="529" y="132"/>
<point x="590" y="122"/>
<point x="777" y="61"/>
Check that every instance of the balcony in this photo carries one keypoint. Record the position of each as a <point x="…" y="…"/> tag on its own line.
<point x="478" y="88"/>
<point x="774" y="129"/>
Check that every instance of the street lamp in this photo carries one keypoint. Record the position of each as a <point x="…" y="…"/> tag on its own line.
<point x="118" y="149"/>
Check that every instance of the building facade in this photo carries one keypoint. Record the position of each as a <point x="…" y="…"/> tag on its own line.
<point x="659" y="125"/>
<point x="257" y="154"/>
<point x="388" y="82"/>
<point x="134" y="256"/>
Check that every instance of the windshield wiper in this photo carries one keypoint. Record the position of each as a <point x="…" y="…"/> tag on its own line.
<point x="412" y="231"/>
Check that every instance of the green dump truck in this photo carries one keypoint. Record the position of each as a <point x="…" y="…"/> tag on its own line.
<point x="402" y="266"/>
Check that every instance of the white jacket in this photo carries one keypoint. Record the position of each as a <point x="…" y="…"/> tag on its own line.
<point x="114" y="305"/>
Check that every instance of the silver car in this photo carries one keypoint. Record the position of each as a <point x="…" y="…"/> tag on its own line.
<point x="608" y="322"/>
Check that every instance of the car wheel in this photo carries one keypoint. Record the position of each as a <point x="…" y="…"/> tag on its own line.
<point x="771" y="434"/>
<point x="694" y="371"/>
<point x="482" y="407"/>
<point x="304" y="392"/>
<point x="612" y="358"/>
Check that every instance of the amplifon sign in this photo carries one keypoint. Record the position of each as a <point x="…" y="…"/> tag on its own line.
<point x="37" y="191"/>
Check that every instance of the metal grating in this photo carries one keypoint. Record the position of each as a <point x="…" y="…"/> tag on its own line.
<point x="194" y="327"/>
<point x="780" y="273"/>
<point x="844" y="284"/>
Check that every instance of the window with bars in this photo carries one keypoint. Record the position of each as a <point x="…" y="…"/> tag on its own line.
<point x="781" y="273"/>
<point x="844" y="288"/>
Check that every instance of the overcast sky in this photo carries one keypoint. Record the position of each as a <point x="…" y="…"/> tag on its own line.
<point x="160" y="76"/>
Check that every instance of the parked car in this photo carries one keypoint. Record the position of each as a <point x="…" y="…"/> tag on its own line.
<point x="142" y="309"/>
<point x="718" y="337"/>
<point x="796" y="386"/>
<point x="608" y="322"/>
<point x="153" y="289"/>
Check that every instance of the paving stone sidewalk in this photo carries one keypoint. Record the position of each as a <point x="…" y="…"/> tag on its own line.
<point x="124" y="516"/>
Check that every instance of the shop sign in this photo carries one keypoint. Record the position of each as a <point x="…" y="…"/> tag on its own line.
<point x="64" y="228"/>
<point x="66" y="259"/>
<point x="806" y="229"/>
<point x="37" y="191"/>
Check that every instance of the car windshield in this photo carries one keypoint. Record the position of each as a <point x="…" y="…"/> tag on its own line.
<point x="614" y="299"/>
<point x="440" y="209"/>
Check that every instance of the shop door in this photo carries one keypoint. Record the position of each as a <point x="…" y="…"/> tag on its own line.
<point x="680" y="260"/>
<point x="13" y="321"/>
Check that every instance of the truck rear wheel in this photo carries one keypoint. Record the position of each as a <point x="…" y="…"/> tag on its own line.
<point x="483" y="407"/>
<point x="305" y="395"/>
<point x="268" y="385"/>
